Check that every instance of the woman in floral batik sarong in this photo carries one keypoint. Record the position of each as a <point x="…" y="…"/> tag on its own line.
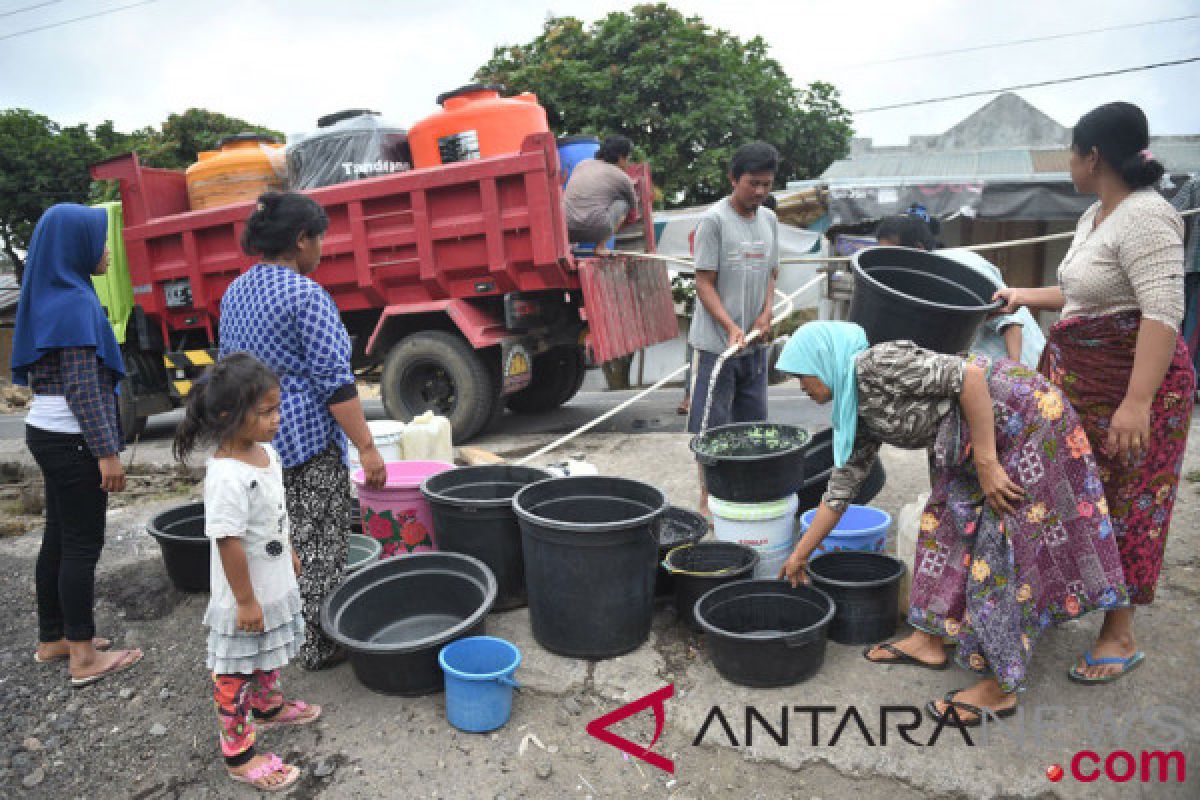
<point x="1016" y="535"/>
<point x="1118" y="356"/>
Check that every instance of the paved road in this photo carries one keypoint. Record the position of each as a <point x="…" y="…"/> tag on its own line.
<point x="654" y="414"/>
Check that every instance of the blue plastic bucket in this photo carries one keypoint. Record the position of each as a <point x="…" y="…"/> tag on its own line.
<point x="572" y="150"/>
<point x="862" y="528"/>
<point x="479" y="683"/>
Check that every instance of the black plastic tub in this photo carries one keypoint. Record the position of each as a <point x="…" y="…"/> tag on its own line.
<point x="591" y="549"/>
<point x="473" y="514"/>
<point x="395" y="615"/>
<point x="185" y="549"/>
<point x="751" y="462"/>
<point x="901" y="293"/>
<point x="677" y="527"/>
<point x="765" y="634"/>
<point x="818" y="465"/>
<point x="865" y="587"/>
<point x="697" y="568"/>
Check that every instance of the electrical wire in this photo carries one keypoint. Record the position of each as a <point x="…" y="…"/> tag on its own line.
<point x="75" y="19"/>
<point x="982" y="92"/>
<point x="28" y="8"/>
<point x="1031" y="40"/>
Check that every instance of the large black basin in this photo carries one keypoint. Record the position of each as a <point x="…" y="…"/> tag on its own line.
<point x="395" y="615"/>
<point x="751" y="462"/>
<point x="934" y="301"/>
<point x="185" y="549"/>
<point x="818" y="464"/>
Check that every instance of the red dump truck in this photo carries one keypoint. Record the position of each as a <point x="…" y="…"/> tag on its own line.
<point x="458" y="280"/>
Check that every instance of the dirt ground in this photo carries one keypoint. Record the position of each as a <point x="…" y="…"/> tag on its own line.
<point x="150" y="733"/>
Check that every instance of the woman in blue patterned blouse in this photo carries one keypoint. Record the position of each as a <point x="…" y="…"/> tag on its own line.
<point x="290" y="323"/>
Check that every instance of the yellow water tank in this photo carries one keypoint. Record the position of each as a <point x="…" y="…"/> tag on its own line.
<point x="238" y="171"/>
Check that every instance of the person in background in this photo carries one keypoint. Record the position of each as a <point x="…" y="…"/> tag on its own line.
<point x="1188" y="199"/>
<point x="686" y="403"/>
<point x="1017" y="336"/>
<point x="65" y="351"/>
<point x="1117" y="355"/>
<point x="1016" y="535"/>
<point x="600" y="194"/>
<point x="737" y="261"/>
<point x="254" y="609"/>
<point x="286" y="320"/>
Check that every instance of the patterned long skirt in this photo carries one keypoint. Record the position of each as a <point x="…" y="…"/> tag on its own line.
<point x="994" y="584"/>
<point x="318" y="501"/>
<point x="1091" y="360"/>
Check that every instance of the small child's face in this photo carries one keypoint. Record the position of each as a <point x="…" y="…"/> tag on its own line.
<point x="262" y="422"/>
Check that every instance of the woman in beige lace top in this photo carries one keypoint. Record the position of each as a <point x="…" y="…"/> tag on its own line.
<point x="1118" y="356"/>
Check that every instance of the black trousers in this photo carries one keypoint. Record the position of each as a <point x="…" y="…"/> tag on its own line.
<point x="74" y="536"/>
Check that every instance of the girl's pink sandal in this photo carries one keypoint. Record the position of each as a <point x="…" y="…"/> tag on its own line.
<point x="293" y="712"/>
<point x="272" y="765"/>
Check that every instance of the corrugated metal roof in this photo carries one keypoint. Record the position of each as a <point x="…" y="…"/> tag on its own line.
<point x="1014" y="164"/>
<point x="10" y="291"/>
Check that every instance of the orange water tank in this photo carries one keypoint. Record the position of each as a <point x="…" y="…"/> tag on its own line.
<point x="243" y="167"/>
<point x="475" y="122"/>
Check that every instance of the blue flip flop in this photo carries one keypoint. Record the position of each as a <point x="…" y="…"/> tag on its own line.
<point x="1127" y="665"/>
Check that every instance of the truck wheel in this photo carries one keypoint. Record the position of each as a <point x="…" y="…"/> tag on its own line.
<point x="440" y="372"/>
<point x="557" y="375"/>
<point x="132" y="425"/>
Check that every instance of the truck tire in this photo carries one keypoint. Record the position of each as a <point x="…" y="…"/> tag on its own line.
<point x="132" y="425"/>
<point x="557" y="375"/>
<point x="438" y="371"/>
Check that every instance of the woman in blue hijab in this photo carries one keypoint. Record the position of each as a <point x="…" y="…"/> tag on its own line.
<point x="65" y="351"/>
<point x="996" y="562"/>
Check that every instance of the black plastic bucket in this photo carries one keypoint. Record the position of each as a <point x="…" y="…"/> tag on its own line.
<point x="185" y="549"/>
<point x="473" y="514"/>
<point x="866" y="588"/>
<point x="765" y="634"/>
<point x="901" y="293"/>
<point x="679" y="526"/>
<point x="394" y="616"/>
<point x="591" y="551"/>
<point x="818" y="466"/>
<point x="697" y="568"/>
<point x="751" y="462"/>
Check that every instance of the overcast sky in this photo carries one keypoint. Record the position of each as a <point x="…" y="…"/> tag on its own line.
<point x="283" y="64"/>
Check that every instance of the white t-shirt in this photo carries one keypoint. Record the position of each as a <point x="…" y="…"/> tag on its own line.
<point x="249" y="503"/>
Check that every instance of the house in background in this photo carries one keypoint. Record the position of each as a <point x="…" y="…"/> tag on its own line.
<point x="999" y="175"/>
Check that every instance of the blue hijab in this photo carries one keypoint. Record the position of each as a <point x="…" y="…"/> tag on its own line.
<point x="827" y="350"/>
<point x="58" y="306"/>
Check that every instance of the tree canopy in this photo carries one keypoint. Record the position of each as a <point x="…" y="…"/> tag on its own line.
<point x="687" y="95"/>
<point x="43" y="163"/>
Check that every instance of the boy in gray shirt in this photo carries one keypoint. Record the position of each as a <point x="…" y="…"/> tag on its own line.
<point x="600" y="194"/>
<point x="737" y="260"/>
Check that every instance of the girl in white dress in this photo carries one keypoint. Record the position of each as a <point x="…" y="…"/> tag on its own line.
<point x="254" y="615"/>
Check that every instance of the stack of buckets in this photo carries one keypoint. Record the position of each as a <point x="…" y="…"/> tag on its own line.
<point x="767" y="527"/>
<point x="397" y="516"/>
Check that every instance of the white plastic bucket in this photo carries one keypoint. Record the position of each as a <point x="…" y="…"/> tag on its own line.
<point x="766" y="527"/>
<point x="770" y="562"/>
<point x="388" y="435"/>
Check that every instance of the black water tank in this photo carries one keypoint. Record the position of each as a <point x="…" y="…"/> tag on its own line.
<point x="347" y="146"/>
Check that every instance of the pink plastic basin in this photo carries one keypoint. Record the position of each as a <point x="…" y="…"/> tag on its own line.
<point x="398" y="515"/>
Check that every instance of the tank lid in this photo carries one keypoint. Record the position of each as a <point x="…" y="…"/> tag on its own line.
<point x="350" y="113"/>
<point x="468" y="89"/>
<point x="247" y="137"/>
<point x="578" y="138"/>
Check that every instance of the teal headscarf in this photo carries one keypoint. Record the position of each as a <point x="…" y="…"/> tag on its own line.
<point x="827" y="350"/>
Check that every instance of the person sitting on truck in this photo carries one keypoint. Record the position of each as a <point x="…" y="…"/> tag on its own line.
<point x="64" y="350"/>
<point x="1017" y="336"/>
<point x="286" y="320"/>
<point x="600" y="194"/>
<point x="737" y="260"/>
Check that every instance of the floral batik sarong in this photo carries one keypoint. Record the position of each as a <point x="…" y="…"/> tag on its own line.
<point x="1091" y="359"/>
<point x="993" y="585"/>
